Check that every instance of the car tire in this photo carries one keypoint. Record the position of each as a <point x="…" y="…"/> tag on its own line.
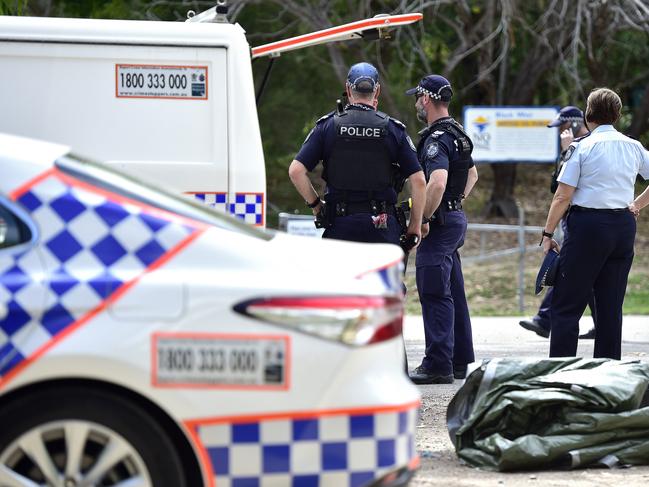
<point x="76" y="427"/>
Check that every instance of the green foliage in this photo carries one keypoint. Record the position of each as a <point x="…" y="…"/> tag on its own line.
<point x="304" y="84"/>
<point x="13" y="7"/>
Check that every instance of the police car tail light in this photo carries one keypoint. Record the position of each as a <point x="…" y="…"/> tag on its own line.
<point x="353" y="320"/>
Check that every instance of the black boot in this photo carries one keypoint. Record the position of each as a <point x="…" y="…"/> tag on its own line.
<point x="534" y="325"/>
<point x="421" y="375"/>
<point x="589" y="335"/>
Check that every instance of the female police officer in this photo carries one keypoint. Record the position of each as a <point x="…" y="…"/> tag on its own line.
<point x="598" y="178"/>
<point x="570" y="121"/>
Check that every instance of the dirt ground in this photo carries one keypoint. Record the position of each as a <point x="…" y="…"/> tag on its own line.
<point x="503" y="337"/>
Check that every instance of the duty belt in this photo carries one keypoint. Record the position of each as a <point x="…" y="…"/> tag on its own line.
<point x="578" y="208"/>
<point x="452" y="205"/>
<point x="371" y="207"/>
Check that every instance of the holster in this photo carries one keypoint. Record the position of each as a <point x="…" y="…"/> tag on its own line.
<point x="324" y="218"/>
<point x="402" y="211"/>
<point x="440" y="216"/>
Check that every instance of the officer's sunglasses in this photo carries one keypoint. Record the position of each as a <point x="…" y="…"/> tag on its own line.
<point x="418" y="96"/>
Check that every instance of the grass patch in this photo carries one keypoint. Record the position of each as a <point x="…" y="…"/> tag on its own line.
<point x="492" y="288"/>
<point x="636" y="301"/>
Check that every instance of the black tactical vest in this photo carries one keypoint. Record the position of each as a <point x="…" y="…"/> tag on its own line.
<point x="458" y="169"/>
<point x="360" y="158"/>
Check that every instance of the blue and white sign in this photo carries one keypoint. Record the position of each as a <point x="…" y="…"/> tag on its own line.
<point x="512" y="134"/>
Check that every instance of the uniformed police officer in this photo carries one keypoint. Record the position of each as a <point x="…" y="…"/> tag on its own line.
<point x="570" y="121"/>
<point x="598" y="177"/>
<point x="364" y="151"/>
<point x="444" y="152"/>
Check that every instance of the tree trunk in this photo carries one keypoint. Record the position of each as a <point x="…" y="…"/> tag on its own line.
<point x="502" y="202"/>
<point x="640" y="121"/>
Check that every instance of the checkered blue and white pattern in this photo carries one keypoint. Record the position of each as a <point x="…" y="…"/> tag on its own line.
<point x="89" y="245"/>
<point x="327" y="451"/>
<point x="246" y="206"/>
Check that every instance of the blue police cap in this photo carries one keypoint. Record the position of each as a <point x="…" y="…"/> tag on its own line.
<point x="548" y="271"/>
<point x="435" y="86"/>
<point x="567" y="114"/>
<point x="363" y="77"/>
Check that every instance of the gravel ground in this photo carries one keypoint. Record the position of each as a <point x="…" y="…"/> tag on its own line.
<point x="502" y="337"/>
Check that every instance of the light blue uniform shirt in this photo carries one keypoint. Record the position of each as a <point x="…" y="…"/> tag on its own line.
<point x="603" y="167"/>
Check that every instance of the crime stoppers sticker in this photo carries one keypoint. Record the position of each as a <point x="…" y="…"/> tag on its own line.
<point x="150" y="81"/>
<point x="220" y="360"/>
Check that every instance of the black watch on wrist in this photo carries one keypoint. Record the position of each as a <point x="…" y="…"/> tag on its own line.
<point x="545" y="234"/>
<point x="315" y="203"/>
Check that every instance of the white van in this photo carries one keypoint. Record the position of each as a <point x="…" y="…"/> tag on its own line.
<point x="171" y="102"/>
<point x="168" y="101"/>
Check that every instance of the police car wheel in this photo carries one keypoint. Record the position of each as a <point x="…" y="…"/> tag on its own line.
<point x="71" y="438"/>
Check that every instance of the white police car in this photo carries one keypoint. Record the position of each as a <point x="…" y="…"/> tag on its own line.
<point x="146" y="340"/>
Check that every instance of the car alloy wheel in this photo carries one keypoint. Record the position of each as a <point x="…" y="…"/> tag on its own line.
<point x="79" y="436"/>
<point x="72" y="453"/>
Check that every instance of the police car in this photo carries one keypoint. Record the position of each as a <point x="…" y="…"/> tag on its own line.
<point x="146" y="340"/>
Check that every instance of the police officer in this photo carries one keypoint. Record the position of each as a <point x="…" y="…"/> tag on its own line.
<point x="444" y="152"/>
<point x="570" y="121"/>
<point x="598" y="178"/>
<point x="364" y="152"/>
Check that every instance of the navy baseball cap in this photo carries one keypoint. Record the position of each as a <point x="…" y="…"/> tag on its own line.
<point x="363" y="77"/>
<point x="567" y="114"/>
<point x="548" y="271"/>
<point x="435" y="86"/>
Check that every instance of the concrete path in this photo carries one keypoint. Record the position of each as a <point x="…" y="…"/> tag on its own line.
<point x="504" y="337"/>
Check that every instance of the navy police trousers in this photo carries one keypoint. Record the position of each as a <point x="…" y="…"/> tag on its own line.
<point x="463" y="336"/>
<point x="447" y="326"/>
<point x="543" y="314"/>
<point x="597" y="257"/>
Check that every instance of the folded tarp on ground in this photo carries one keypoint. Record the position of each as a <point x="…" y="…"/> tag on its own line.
<point x="517" y="414"/>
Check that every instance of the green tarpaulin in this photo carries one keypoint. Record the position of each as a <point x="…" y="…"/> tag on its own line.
<point x="517" y="414"/>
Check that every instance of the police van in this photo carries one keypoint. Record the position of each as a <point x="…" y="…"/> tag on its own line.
<point x="170" y="102"/>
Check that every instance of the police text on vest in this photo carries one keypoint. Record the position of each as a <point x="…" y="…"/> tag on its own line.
<point x="365" y="132"/>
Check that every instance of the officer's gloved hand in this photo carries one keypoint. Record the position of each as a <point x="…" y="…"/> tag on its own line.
<point x="320" y="213"/>
<point x="408" y="242"/>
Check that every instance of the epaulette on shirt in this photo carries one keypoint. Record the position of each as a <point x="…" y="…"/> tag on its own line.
<point x="324" y="117"/>
<point x="398" y="122"/>
<point x="321" y="119"/>
<point x="435" y="134"/>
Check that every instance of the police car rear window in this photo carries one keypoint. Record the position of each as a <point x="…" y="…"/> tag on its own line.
<point x="109" y="179"/>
